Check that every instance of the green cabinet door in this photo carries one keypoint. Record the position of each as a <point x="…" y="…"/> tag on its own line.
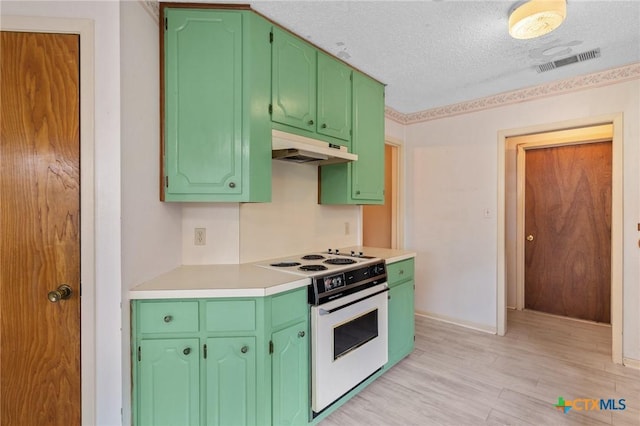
<point x="290" y="375"/>
<point x="401" y="321"/>
<point x="361" y="181"/>
<point x="334" y="98"/>
<point x="231" y="381"/>
<point x="368" y="140"/>
<point x="217" y="129"/>
<point x="293" y="81"/>
<point x="168" y="382"/>
<point x="203" y="102"/>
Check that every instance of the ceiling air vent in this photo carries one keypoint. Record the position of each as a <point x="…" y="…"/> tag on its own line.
<point x="584" y="56"/>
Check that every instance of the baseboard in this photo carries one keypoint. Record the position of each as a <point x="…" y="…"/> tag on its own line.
<point x="631" y="363"/>
<point x="457" y="321"/>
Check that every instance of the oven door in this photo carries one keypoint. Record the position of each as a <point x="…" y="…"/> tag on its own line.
<point x="348" y="343"/>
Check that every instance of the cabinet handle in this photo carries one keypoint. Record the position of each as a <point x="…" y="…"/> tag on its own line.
<point x="168" y="318"/>
<point x="301" y="334"/>
<point x="324" y="125"/>
<point x="232" y="184"/>
<point x="186" y="351"/>
<point x="401" y="271"/>
<point x="310" y="123"/>
<point x="244" y="349"/>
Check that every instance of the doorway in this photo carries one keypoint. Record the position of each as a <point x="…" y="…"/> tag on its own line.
<point x="511" y="228"/>
<point x="84" y="28"/>
<point x="381" y="224"/>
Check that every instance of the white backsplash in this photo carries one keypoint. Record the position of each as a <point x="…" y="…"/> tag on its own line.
<point x="293" y="222"/>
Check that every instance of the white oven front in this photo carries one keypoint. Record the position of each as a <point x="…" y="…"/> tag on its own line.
<point x="349" y="342"/>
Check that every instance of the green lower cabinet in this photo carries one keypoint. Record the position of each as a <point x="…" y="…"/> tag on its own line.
<point x="231" y="381"/>
<point x="401" y="322"/>
<point x="290" y="375"/>
<point x="169" y="382"/>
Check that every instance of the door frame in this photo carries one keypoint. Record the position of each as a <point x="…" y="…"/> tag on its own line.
<point x="85" y="29"/>
<point x="503" y="221"/>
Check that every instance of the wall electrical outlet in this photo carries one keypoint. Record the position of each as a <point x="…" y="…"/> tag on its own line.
<point x="200" y="236"/>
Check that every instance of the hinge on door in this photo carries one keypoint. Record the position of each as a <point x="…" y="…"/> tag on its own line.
<point x="205" y="351"/>
<point x="270" y="346"/>
<point x="166" y="23"/>
<point x="139" y="354"/>
<point x="270" y="109"/>
<point x="271" y="37"/>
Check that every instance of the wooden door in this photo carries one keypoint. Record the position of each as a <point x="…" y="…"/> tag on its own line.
<point x="39" y="224"/>
<point x="568" y="230"/>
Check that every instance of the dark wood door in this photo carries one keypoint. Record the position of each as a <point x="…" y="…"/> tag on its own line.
<point x="568" y="231"/>
<point x="39" y="224"/>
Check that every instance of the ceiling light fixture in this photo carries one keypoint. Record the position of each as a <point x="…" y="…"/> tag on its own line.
<point x="536" y="18"/>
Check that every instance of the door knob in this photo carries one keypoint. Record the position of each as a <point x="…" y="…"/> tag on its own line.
<point x="62" y="292"/>
<point x="529" y="237"/>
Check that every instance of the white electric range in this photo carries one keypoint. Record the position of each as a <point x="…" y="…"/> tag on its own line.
<point x="349" y="309"/>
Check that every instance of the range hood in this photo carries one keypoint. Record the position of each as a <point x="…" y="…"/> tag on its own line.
<point x="300" y="149"/>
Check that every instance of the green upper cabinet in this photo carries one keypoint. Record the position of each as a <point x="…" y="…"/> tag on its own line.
<point x="311" y="91"/>
<point x="217" y="131"/>
<point x="334" y="98"/>
<point x="293" y="81"/>
<point x="361" y="181"/>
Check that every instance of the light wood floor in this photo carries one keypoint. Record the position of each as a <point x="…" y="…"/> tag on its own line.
<point x="457" y="376"/>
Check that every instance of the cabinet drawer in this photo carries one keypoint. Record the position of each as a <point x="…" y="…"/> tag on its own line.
<point x="288" y="307"/>
<point x="398" y="272"/>
<point x="230" y="315"/>
<point x="168" y="317"/>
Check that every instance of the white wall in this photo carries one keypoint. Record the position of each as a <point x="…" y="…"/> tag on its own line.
<point x="108" y="388"/>
<point x="151" y="230"/>
<point x="451" y="178"/>
<point x="294" y="222"/>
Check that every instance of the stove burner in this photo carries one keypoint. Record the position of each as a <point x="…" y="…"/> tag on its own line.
<point x="285" y="264"/>
<point x="312" y="268"/>
<point x="339" y="261"/>
<point x="313" y="257"/>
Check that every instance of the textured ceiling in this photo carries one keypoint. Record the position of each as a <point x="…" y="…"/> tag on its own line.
<point x="436" y="53"/>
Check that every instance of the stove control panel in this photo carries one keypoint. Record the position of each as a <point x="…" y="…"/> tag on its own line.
<point x="333" y="286"/>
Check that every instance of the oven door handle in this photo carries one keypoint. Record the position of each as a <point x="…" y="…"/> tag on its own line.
<point x="330" y="311"/>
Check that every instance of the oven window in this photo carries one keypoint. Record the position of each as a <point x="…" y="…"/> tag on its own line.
<point x="355" y="333"/>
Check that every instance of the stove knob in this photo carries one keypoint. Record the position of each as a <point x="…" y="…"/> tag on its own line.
<point x="329" y="251"/>
<point x="353" y="253"/>
<point x="361" y="254"/>
<point x="337" y="251"/>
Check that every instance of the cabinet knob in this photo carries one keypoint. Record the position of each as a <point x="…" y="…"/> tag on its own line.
<point x="232" y="184"/>
<point x="186" y="351"/>
<point x="168" y="318"/>
<point x="244" y="349"/>
<point x="301" y="334"/>
<point x="401" y="272"/>
<point x="358" y="192"/>
<point x="324" y="125"/>
<point x="310" y="123"/>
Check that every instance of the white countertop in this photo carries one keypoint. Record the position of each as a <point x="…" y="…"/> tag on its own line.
<point x="244" y="280"/>
<point x="205" y="281"/>
<point x="389" y="255"/>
